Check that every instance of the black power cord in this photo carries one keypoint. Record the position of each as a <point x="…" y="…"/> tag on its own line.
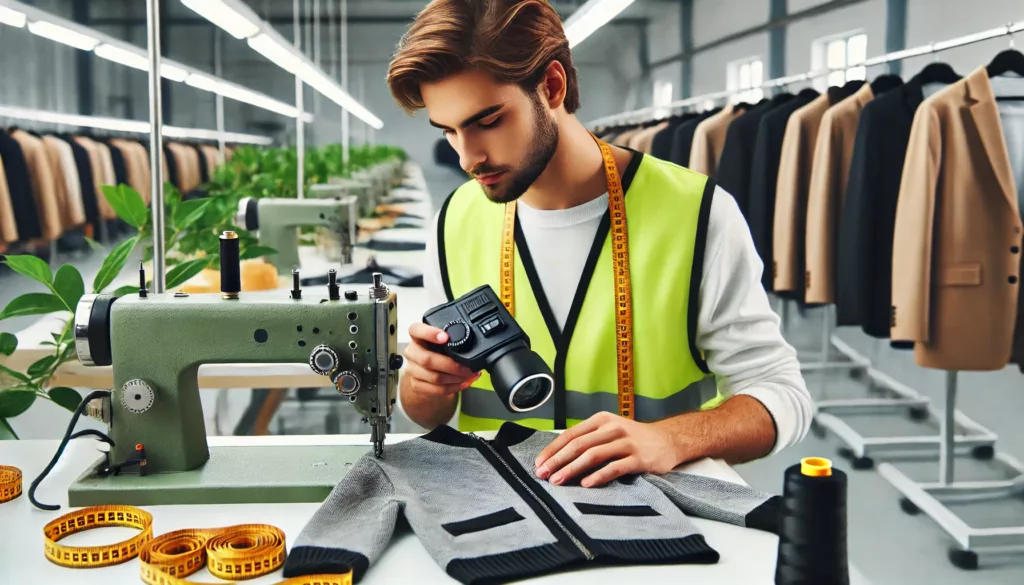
<point x="64" y="443"/>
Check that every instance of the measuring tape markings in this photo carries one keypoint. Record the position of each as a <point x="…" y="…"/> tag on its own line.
<point x="620" y="268"/>
<point x="10" y="483"/>
<point x="244" y="551"/>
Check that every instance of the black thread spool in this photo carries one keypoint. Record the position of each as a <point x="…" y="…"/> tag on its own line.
<point x="812" y="528"/>
<point x="230" y="266"/>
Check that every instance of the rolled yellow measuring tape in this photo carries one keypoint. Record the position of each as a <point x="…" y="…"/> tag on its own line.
<point x="10" y="483"/>
<point x="234" y="553"/>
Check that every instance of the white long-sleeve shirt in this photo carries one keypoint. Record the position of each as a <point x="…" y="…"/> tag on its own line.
<point x="736" y="327"/>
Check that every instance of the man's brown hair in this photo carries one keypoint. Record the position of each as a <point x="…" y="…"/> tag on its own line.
<point x="512" y="40"/>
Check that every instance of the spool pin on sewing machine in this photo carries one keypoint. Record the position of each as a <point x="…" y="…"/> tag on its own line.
<point x="156" y="344"/>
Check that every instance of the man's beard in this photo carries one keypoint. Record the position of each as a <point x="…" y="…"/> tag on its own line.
<point x="543" y="146"/>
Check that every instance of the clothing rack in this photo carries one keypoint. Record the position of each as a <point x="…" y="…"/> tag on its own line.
<point x="650" y="113"/>
<point x="129" y="126"/>
<point x="958" y="434"/>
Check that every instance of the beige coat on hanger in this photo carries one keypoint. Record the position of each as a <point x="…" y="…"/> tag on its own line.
<point x="709" y="140"/>
<point x="833" y="153"/>
<point x="792" y="185"/>
<point x="8" y="227"/>
<point x="63" y="159"/>
<point x="957" y="249"/>
<point x="43" y="184"/>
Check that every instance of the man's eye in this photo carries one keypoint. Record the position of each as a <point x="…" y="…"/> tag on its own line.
<point x="447" y="132"/>
<point x="492" y="124"/>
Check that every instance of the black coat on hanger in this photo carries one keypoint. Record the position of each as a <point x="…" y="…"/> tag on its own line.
<point x="23" y="198"/>
<point x="1008" y="61"/>
<point x="763" y="178"/>
<point x="868" y="217"/>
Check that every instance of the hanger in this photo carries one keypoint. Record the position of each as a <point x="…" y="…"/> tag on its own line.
<point x="1008" y="61"/>
<point x="937" y="72"/>
<point x="885" y="82"/>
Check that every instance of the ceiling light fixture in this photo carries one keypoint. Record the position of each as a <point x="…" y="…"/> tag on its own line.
<point x="55" y="32"/>
<point x="222" y="15"/>
<point x="590" y="17"/>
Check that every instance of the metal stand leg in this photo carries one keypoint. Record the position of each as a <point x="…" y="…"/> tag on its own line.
<point x="928" y="498"/>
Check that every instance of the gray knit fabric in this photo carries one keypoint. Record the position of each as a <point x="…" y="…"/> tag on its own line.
<point x="438" y="486"/>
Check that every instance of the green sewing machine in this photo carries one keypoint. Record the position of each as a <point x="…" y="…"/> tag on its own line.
<point x="156" y="344"/>
<point x="278" y="220"/>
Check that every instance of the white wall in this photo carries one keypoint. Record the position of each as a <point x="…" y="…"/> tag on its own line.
<point x="927" y="23"/>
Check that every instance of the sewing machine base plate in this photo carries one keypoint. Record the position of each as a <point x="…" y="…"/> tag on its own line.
<point x="232" y="475"/>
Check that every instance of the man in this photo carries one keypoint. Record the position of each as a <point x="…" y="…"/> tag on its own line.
<point x="497" y="79"/>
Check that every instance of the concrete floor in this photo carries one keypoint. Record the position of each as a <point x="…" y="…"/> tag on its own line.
<point x="887" y="545"/>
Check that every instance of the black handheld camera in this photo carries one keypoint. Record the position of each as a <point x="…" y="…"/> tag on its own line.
<point x="482" y="335"/>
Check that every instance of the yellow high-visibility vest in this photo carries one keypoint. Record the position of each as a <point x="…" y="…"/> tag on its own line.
<point x="667" y="207"/>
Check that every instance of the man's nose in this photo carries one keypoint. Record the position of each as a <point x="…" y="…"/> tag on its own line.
<point x="470" y="157"/>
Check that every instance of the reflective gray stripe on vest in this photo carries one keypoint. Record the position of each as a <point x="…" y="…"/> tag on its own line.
<point x="578" y="405"/>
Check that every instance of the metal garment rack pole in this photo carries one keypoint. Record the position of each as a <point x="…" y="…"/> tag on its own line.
<point x="300" y="126"/>
<point x="346" y="121"/>
<point x="218" y="64"/>
<point x="642" y="114"/>
<point x="156" y="145"/>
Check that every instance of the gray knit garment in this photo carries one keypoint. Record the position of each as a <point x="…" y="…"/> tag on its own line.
<point x="481" y="513"/>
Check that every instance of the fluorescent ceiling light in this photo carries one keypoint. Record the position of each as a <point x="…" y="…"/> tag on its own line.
<point x="122" y="56"/>
<point x="63" y="35"/>
<point x="276" y="53"/>
<point x="12" y="17"/>
<point x="203" y="82"/>
<point x="590" y="17"/>
<point x="223" y="16"/>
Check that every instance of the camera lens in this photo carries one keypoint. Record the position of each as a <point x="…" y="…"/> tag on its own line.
<point x="530" y="393"/>
<point x="521" y="379"/>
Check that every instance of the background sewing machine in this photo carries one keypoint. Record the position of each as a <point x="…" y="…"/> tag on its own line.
<point x="154" y="412"/>
<point x="278" y="222"/>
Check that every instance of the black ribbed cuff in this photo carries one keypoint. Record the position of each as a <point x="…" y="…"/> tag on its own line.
<point x="315" y="560"/>
<point x="512" y="566"/>
<point x="689" y="550"/>
<point x="766" y="516"/>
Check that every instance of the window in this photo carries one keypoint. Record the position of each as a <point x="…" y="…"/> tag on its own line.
<point x="744" y="78"/>
<point x="842" y="55"/>
<point x="662" y="98"/>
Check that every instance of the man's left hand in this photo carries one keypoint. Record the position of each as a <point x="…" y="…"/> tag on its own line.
<point x="625" y="445"/>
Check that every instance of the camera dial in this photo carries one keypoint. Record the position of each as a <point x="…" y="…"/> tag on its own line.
<point x="459" y="333"/>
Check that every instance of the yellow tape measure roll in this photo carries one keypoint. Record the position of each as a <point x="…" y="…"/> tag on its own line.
<point x="234" y="553"/>
<point x="10" y="483"/>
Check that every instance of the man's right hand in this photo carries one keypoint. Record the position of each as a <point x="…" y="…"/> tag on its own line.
<point x="431" y="379"/>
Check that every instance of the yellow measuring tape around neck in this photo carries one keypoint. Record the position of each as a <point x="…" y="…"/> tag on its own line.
<point x="620" y="268"/>
<point x="10" y="483"/>
<point x="234" y="553"/>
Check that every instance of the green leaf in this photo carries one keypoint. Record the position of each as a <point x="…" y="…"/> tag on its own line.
<point x="15" y="401"/>
<point x="30" y="266"/>
<point x="113" y="265"/>
<point x="257" y="252"/>
<point x="147" y="254"/>
<point x="6" y="432"/>
<point x="32" y="304"/>
<point x="16" y="375"/>
<point x="40" y="367"/>
<point x="69" y="285"/>
<point x="190" y="212"/>
<point x="127" y="290"/>
<point x="180" y="274"/>
<point x="69" y="398"/>
<point x="8" y="343"/>
<point x="128" y="204"/>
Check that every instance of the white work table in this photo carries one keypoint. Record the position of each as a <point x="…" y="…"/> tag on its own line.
<point x="748" y="556"/>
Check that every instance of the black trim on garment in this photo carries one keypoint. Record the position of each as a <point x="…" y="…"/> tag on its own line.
<point x="610" y="510"/>
<point x="697" y="273"/>
<point x="442" y="255"/>
<point x="318" y="560"/>
<point x="485" y="522"/>
<point x="767" y="516"/>
<point x="563" y="342"/>
<point x="508" y="435"/>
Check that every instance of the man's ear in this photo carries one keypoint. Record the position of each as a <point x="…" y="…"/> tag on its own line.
<point x="553" y="85"/>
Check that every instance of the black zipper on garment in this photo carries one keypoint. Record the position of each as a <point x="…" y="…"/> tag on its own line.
<point x="538" y="504"/>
